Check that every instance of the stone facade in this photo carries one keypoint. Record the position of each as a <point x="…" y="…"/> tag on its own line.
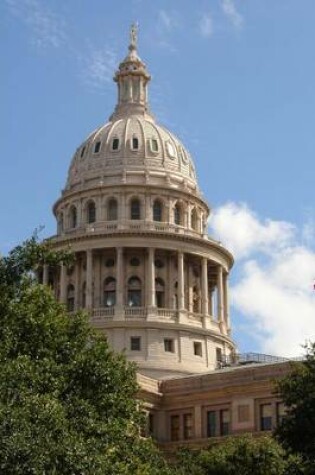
<point x="151" y="278"/>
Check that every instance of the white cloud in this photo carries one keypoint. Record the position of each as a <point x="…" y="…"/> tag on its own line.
<point x="230" y="11"/>
<point x="274" y="292"/>
<point x="242" y="232"/>
<point x="99" y="67"/>
<point x="166" y="20"/>
<point x="206" y="25"/>
<point x="47" y="28"/>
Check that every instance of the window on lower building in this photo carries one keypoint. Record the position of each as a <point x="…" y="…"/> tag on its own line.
<point x="73" y="217"/>
<point x="281" y="412"/>
<point x="224" y="422"/>
<point x="177" y="214"/>
<point x="159" y="293"/>
<point x="265" y="417"/>
<point x="211" y="424"/>
<point x="187" y="426"/>
<point x="218" y="353"/>
<point x="135" y="343"/>
<point x="175" y="427"/>
<point x="197" y="348"/>
<point x="169" y="345"/>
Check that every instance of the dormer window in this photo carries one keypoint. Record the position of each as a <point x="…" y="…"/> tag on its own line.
<point x="115" y="144"/>
<point x="135" y="143"/>
<point x="154" y="146"/>
<point x="97" y="147"/>
<point x="171" y="150"/>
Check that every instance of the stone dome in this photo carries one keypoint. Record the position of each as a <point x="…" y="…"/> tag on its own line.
<point x="130" y="144"/>
<point x="132" y="141"/>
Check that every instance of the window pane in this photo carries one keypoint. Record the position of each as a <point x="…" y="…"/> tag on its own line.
<point x="135" y="209"/>
<point x="211" y="424"/>
<point x="174" y="428"/>
<point x="154" y="145"/>
<point x="169" y="345"/>
<point x="135" y="343"/>
<point x="225" y="422"/>
<point x="97" y="147"/>
<point x="112" y="210"/>
<point x="134" y="298"/>
<point x="177" y="215"/>
<point x="157" y="211"/>
<point x="265" y="417"/>
<point x="115" y="144"/>
<point x="135" y="143"/>
<point x="188" y="426"/>
<point x="91" y="213"/>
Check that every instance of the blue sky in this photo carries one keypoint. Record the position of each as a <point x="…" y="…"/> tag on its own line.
<point x="234" y="79"/>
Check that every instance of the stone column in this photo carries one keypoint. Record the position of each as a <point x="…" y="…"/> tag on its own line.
<point x="204" y="287"/>
<point x="77" y="294"/>
<point x="119" y="278"/>
<point x="45" y="274"/>
<point x="226" y="301"/>
<point x="63" y="285"/>
<point x="220" y="295"/>
<point x="181" y="290"/>
<point x="150" y="297"/>
<point x="89" y="279"/>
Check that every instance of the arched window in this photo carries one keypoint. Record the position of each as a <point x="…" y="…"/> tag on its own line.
<point x="91" y="212"/>
<point x="134" y="292"/>
<point x="159" y="293"/>
<point x="73" y="217"/>
<point x="83" y="295"/>
<point x="70" y="298"/>
<point x="194" y="219"/>
<point x="109" y="292"/>
<point x="135" y="209"/>
<point x="112" y="209"/>
<point x="157" y="210"/>
<point x="60" y="223"/>
<point x="177" y="214"/>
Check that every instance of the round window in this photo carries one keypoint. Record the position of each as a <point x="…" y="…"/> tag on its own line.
<point x="158" y="263"/>
<point x="134" y="262"/>
<point x="109" y="262"/>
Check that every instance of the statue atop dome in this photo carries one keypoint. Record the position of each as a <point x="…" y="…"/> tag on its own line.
<point x="133" y="36"/>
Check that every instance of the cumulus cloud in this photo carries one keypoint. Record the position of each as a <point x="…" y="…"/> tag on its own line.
<point x="274" y="290"/>
<point x="206" y="25"/>
<point x="47" y="28"/>
<point x="230" y="11"/>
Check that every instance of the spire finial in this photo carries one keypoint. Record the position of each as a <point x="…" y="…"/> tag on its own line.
<point x="133" y="36"/>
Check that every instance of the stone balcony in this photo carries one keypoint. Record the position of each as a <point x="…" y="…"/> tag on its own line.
<point x="110" y="227"/>
<point x="104" y="315"/>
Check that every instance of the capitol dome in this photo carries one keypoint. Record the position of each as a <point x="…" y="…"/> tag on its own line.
<point x="145" y="269"/>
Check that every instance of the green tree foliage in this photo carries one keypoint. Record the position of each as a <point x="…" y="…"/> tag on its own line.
<point x="297" y="390"/>
<point x="67" y="403"/>
<point x="244" y="455"/>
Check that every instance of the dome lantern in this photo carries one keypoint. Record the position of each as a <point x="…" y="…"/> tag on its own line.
<point x="132" y="79"/>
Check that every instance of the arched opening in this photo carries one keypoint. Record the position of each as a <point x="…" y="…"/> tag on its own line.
<point x="134" y="292"/>
<point x="194" y="220"/>
<point x="135" y="209"/>
<point x="112" y="210"/>
<point x="83" y="295"/>
<point x="178" y="218"/>
<point x="73" y="217"/>
<point x="157" y="210"/>
<point x="109" y="296"/>
<point x="159" y="293"/>
<point x="70" y="298"/>
<point x="91" y="212"/>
